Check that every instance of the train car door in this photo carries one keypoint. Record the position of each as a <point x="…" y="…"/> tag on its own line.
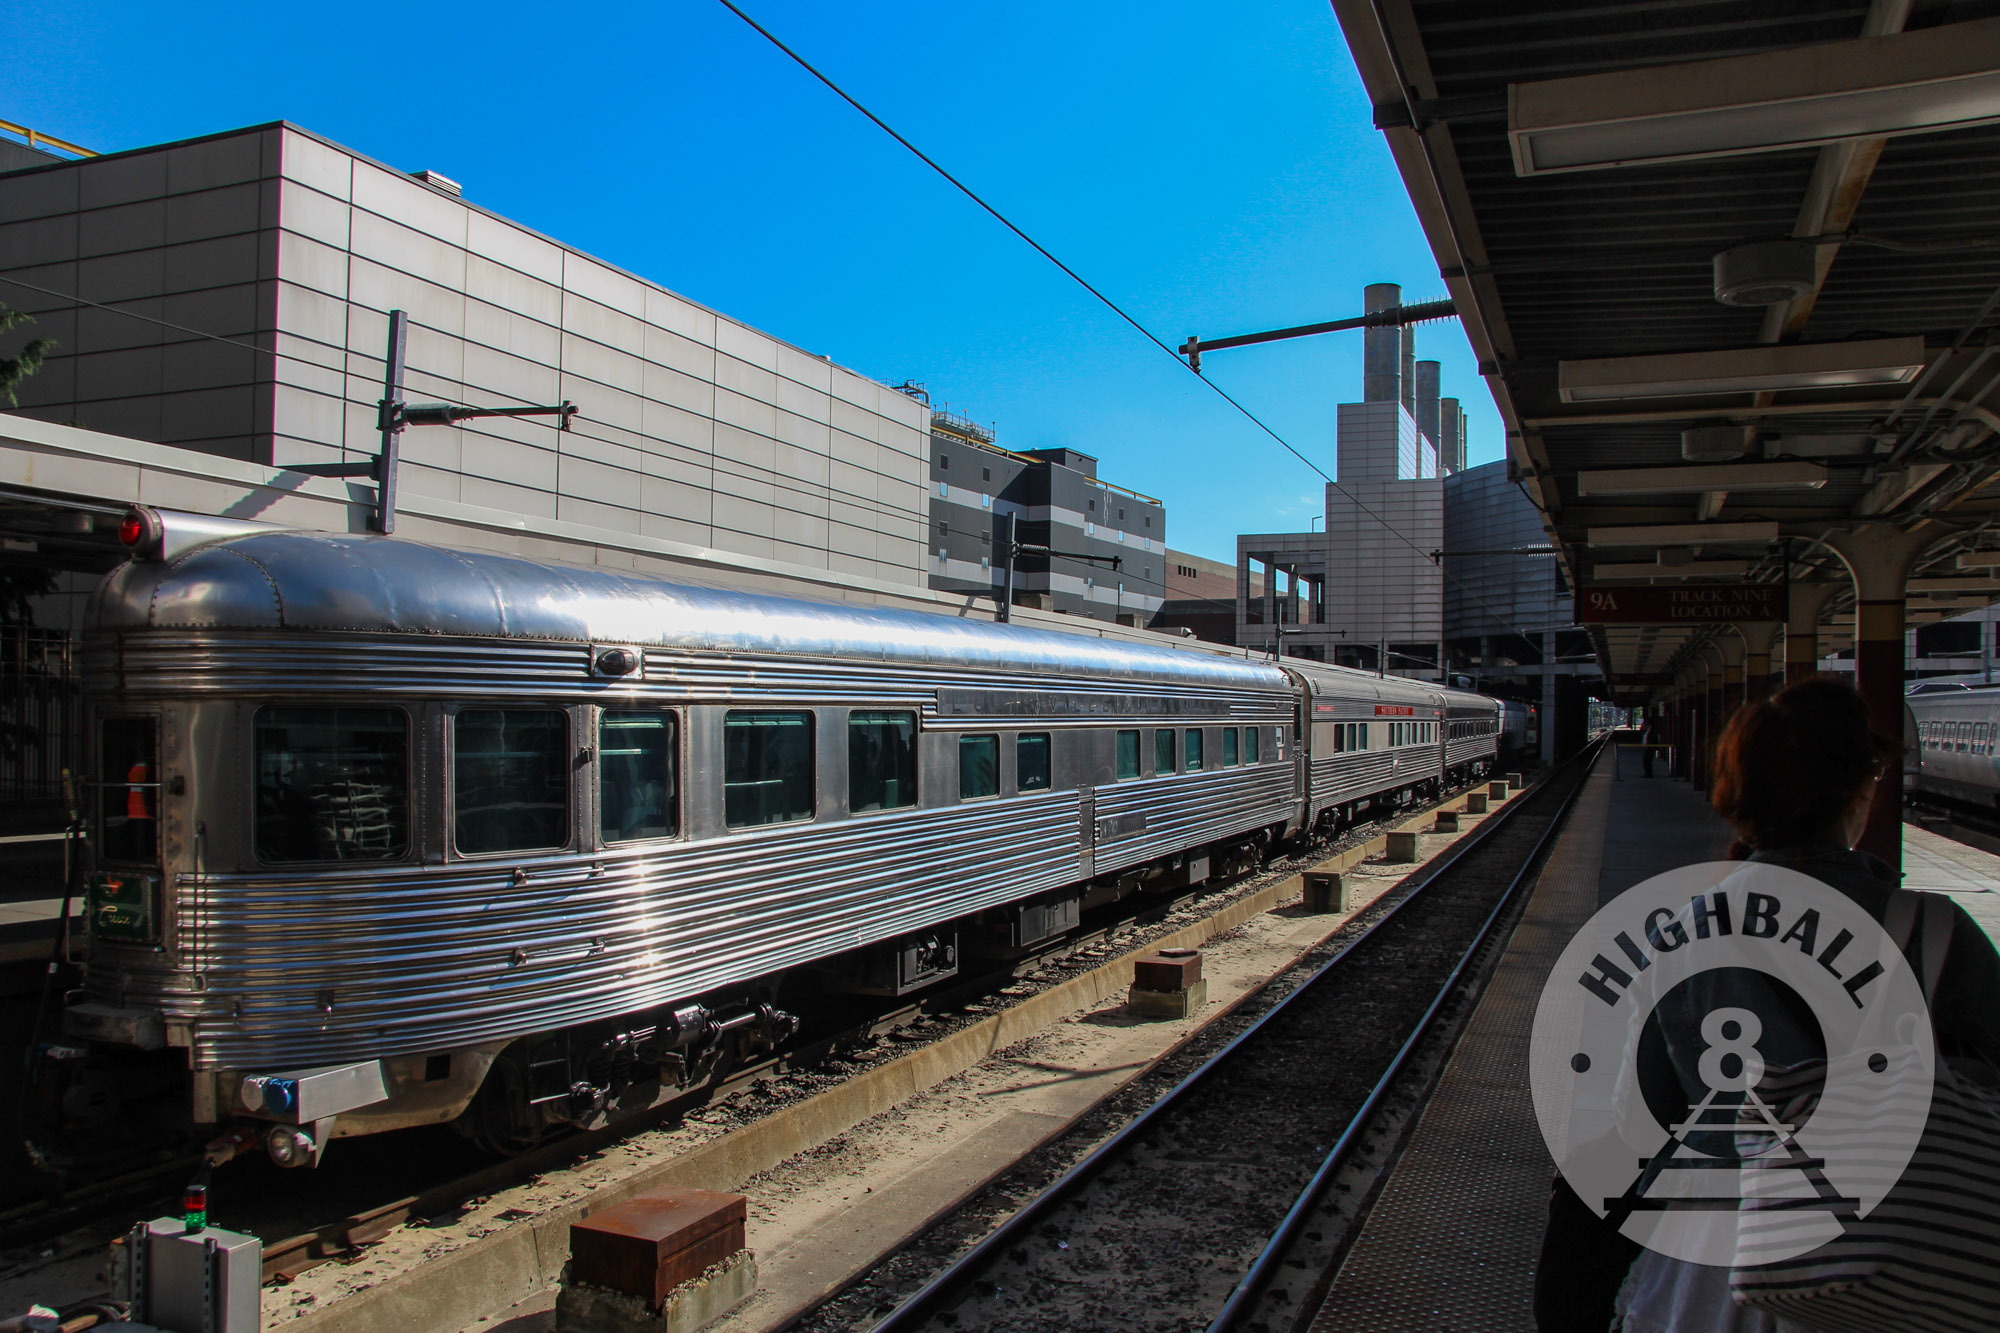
<point x="1086" y="836"/>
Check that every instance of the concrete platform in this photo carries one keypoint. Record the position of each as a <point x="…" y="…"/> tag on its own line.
<point x="1454" y="1236"/>
<point x="1452" y="1240"/>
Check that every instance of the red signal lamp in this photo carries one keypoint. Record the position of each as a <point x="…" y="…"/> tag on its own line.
<point x="141" y="532"/>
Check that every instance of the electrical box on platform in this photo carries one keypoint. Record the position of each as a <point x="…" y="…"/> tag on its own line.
<point x="203" y="1281"/>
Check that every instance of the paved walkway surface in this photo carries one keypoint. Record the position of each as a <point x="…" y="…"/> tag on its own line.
<point x="1966" y="873"/>
<point x="1453" y="1240"/>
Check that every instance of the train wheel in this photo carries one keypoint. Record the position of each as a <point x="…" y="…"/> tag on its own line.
<point x="500" y="1121"/>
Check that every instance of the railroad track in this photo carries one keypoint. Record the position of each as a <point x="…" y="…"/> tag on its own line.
<point x="1181" y="1218"/>
<point x="294" y="1247"/>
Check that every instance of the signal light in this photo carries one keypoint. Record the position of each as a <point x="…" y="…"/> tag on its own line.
<point x="141" y="532"/>
<point x="194" y="1207"/>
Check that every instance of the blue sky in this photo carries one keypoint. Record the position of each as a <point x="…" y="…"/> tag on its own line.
<point x="1209" y="166"/>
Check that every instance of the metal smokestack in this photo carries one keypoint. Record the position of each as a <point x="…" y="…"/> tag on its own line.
<point x="1410" y="369"/>
<point x="1427" y="406"/>
<point x="1451" y="448"/>
<point x="1381" y="348"/>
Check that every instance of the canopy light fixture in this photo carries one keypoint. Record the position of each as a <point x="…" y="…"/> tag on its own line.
<point x="1717" y="477"/>
<point x="1842" y="365"/>
<point x="1714" y="444"/>
<point x="1698" y="569"/>
<point x="1682" y="534"/>
<point x="1766" y="272"/>
<point x="1942" y="78"/>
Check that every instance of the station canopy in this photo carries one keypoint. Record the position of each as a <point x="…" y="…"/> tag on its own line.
<point x="1732" y="273"/>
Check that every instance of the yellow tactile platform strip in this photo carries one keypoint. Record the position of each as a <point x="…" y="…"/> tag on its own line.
<point x="1451" y="1243"/>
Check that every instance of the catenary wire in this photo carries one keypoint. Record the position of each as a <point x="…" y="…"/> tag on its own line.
<point x="1107" y="302"/>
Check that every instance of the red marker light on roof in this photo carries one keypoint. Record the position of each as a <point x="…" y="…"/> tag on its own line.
<point x="132" y="530"/>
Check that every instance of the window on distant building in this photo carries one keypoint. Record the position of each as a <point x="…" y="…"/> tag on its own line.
<point x="944" y="461"/>
<point x="986" y="474"/>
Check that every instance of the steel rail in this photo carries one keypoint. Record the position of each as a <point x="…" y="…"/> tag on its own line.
<point x="924" y="1303"/>
<point x="1243" y="1298"/>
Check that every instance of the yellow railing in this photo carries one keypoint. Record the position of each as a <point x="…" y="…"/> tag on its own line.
<point x="36" y="139"/>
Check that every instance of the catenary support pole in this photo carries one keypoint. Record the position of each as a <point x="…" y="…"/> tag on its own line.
<point x="1879" y="561"/>
<point x="1808" y="601"/>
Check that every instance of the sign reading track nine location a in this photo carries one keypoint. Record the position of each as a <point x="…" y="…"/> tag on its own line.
<point x="1712" y="603"/>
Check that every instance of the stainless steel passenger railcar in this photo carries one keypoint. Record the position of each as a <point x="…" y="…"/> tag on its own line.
<point x="385" y="832"/>
<point x="1953" y="737"/>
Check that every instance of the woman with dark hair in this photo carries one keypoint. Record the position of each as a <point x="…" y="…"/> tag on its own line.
<point x="1796" y="775"/>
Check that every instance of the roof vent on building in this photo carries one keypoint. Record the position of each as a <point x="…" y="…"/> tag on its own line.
<point x="444" y="183"/>
<point x="1718" y="443"/>
<point x="1766" y="272"/>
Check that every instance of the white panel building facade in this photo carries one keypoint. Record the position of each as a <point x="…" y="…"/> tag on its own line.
<point x="289" y="251"/>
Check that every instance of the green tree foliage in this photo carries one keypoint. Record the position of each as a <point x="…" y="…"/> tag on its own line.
<point x="15" y="368"/>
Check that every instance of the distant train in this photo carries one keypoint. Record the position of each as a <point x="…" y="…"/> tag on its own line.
<point x="388" y="834"/>
<point x="1520" y="731"/>
<point x="1952" y="740"/>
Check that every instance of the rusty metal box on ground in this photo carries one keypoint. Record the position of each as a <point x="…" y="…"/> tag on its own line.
<point x="647" y="1246"/>
<point x="1168" y="970"/>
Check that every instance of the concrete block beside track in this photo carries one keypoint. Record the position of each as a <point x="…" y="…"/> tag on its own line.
<point x="1167" y="1003"/>
<point x="1324" y="892"/>
<point x="583" y="1307"/>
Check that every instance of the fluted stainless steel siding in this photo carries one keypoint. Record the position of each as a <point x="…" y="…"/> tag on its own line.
<point x="321" y="964"/>
<point x="311" y="965"/>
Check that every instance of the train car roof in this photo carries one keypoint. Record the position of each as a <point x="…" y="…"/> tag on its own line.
<point x="341" y="583"/>
<point x="1464" y="698"/>
<point x="1325" y="677"/>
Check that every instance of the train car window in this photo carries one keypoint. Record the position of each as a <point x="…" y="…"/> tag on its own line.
<point x="881" y="761"/>
<point x="1230" y="758"/>
<point x="1250" y="744"/>
<point x="333" y="784"/>
<point x="1128" y="755"/>
<point x="128" y="790"/>
<point x="1193" y="749"/>
<point x="1163" y="750"/>
<point x="767" y="768"/>
<point x="978" y="767"/>
<point x="510" y="779"/>
<point x="1031" y="762"/>
<point x="638" y="774"/>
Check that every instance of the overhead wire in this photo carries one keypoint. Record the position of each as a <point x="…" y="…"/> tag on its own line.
<point x="1105" y="300"/>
